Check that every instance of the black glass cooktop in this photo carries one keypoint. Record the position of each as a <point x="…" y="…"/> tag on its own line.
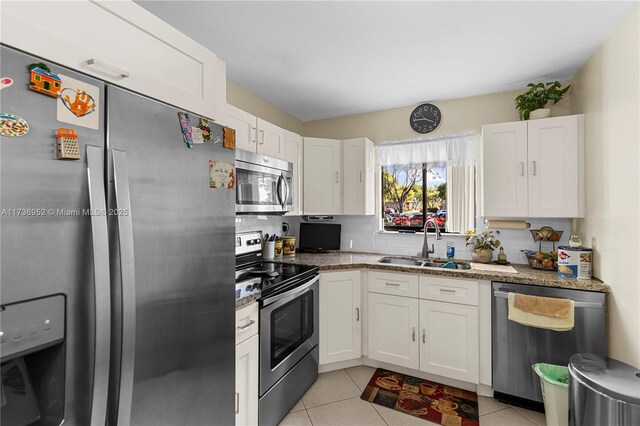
<point x="270" y="277"/>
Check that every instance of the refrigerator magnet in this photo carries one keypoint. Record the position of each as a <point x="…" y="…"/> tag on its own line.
<point x="42" y="80"/>
<point x="203" y="125"/>
<point x="12" y="125"/>
<point x="185" y="126"/>
<point x="5" y="82"/>
<point x="229" y="138"/>
<point x="221" y="175"/>
<point x="78" y="103"/>
<point x="197" y="135"/>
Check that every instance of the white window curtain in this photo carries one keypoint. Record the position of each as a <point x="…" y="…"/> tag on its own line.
<point x="459" y="153"/>
<point x="457" y="149"/>
<point x="461" y="198"/>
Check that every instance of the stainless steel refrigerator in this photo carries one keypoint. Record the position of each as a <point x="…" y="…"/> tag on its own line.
<point x="147" y="276"/>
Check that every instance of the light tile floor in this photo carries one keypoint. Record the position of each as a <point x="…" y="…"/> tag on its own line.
<point x="334" y="399"/>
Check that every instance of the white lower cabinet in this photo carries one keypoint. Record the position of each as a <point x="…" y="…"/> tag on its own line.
<point x="340" y="316"/>
<point x="449" y="340"/>
<point x="247" y="373"/>
<point x="393" y="329"/>
<point x="425" y="333"/>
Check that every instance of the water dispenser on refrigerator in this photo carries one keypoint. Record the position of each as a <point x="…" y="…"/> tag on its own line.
<point x="32" y="351"/>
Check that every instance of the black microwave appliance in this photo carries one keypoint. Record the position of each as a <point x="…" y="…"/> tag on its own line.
<point x="263" y="184"/>
<point x="319" y="237"/>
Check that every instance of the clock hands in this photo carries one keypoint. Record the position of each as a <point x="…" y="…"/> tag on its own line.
<point x="421" y="119"/>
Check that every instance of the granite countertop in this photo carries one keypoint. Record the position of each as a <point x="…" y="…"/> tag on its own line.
<point x="526" y="275"/>
<point x="247" y="300"/>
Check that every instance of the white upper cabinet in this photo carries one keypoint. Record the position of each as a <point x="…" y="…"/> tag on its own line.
<point x="120" y="42"/>
<point x="293" y="154"/>
<point x="245" y="125"/>
<point x="255" y="134"/>
<point x="504" y="169"/>
<point x="359" y="185"/>
<point x="270" y="139"/>
<point x="340" y="316"/>
<point x="322" y="176"/>
<point x="556" y="167"/>
<point x="534" y="168"/>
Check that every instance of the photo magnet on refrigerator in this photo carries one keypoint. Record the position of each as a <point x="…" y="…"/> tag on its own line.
<point x="229" y="138"/>
<point x="185" y="126"/>
<point x="221" y="175"/>
<point x="197" y="135"/>
<point x="79" y="103"/>
<point x="203" y="125"/>
<point x="12" y="125"/>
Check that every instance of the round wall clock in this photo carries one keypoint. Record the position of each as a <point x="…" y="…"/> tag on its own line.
<point x="425" y="118"/>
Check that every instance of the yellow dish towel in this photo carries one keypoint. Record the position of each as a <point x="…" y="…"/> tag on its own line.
<point x="540" y="321"/>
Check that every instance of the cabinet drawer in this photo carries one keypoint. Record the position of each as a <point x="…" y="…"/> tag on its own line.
<point x="449" y="290"/>
<point x="392" y="283"/>
<point x="246" y="322"/>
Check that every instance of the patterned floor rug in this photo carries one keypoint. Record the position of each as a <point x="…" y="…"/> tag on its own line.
<point x="431" y="401"/>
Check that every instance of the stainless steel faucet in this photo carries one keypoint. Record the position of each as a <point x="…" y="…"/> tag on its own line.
<point x="425" y="244"/>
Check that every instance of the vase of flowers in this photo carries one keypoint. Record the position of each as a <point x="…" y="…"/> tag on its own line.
<point x="483" y="245"/>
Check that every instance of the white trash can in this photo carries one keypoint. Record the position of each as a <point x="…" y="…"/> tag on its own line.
<point x="554" y="380"/>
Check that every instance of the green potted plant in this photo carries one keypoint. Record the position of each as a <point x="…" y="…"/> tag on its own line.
<point x="537" y="97"/>
<point x="483" y="245"/>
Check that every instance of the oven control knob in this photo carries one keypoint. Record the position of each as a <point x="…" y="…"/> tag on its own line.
<point x="250" y="242"/>
<point x="256" y="241"/>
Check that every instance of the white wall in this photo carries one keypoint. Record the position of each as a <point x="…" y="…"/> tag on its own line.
<point x="606" y="89"/>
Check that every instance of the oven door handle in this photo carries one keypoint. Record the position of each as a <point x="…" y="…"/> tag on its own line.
<point x="291" y="294"/>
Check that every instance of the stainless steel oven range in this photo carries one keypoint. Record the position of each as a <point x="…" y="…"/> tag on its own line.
<point x="288" y="325"/>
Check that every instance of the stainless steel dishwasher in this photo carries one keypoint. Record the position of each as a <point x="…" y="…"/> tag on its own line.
<point x="516" y="347"/>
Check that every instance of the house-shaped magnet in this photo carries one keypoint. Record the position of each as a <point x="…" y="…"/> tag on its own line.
<point x="44" y="81"/>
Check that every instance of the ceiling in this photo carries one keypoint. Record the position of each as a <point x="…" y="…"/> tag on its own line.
<point x="316" y="59"/>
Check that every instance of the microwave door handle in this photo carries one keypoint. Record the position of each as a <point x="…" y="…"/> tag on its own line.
<point x="285" y="197"/>
<point x="279" y="190"/>
<point x="289" y="191"/>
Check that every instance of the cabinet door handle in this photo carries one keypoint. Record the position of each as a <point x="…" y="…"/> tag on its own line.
<point x="237" y="403"/>
<point x="254" y="132"/>
<point x="361" y="176"/>
<point x="261" y="137"/>
<point x="522" y="168"/>
<point x="357" y="314"/>
<point x="337" y="177"/>
<point x="107" y="69"/>
<point x="424" y="336"/>
<point x="244" y="327"/>
<point x="533" y="165"/>
<point x="413" y="333"/>
<point x="392" y="284"/>
<point x="448" y="291"/>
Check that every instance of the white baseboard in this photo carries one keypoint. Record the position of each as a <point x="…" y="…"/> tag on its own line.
<point x="325" y="368"/>
<point x="421" y="374"/>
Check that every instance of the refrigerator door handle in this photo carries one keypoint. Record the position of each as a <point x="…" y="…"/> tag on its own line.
<point x="128" y="280"/>
<point x="102" y="283"/>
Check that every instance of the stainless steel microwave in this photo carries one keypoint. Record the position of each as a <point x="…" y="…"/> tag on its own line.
<point x="263" y="184"/>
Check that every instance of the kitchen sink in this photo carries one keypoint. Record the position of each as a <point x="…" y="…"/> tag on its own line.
<point x="429" y="263"/>
<point x="401" y="261"/>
